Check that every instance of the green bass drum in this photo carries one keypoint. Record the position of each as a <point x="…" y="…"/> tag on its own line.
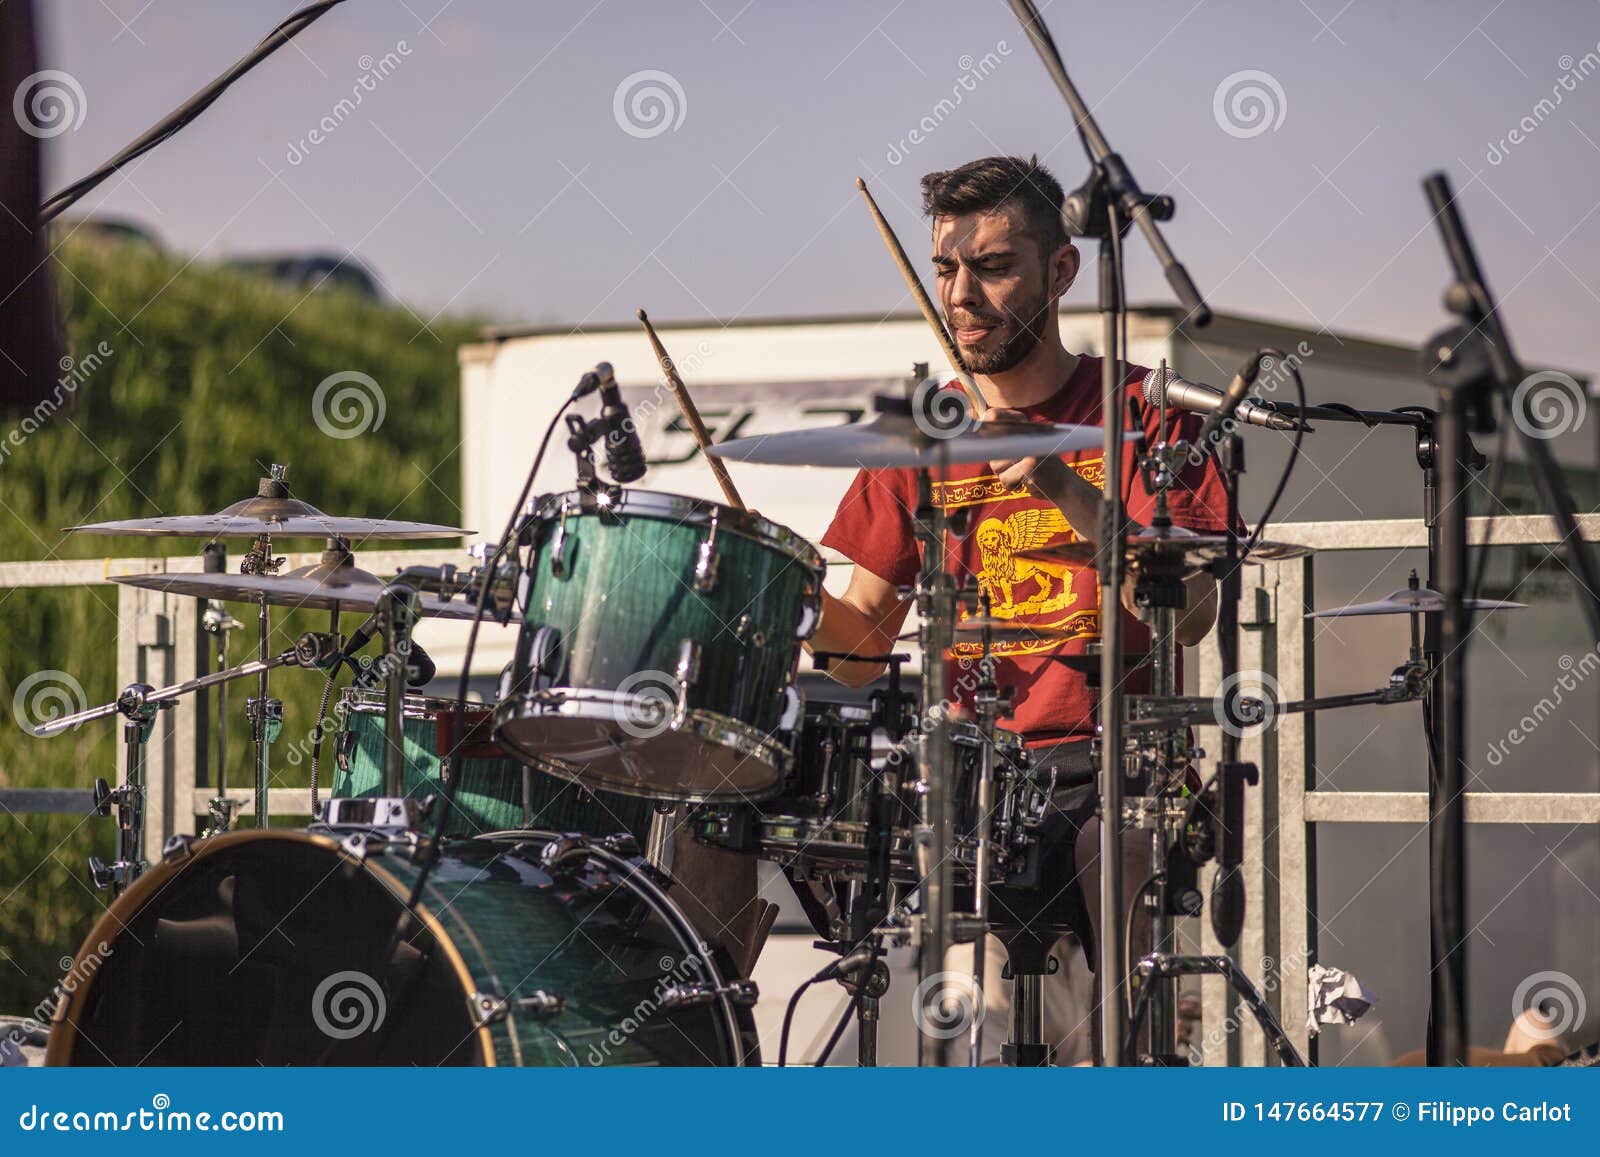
<point x="660" y="646"/>
<point x="293" y="948"/>
<point x="494" y="792"/>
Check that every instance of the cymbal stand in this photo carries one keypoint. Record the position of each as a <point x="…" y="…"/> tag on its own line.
<point x="217" y="622"/>
<point x="139" y="715"/>
<point x="936" y="597"/>
<point x="396" y="615"/>
<point x="264" y="712"/>
<point x="989" y="704"/>
<point x="1158" y="767"/>
<point x="139" y="705"/>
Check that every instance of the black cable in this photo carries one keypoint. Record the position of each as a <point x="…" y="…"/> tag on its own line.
<point x="1294" y="453"/>
<point x="447" y="803"/>
<point x="788" y="1022"/>
<point x="844" y="1021"/>
<point x="1127" y="936"/>
<point x="187" y="111"/>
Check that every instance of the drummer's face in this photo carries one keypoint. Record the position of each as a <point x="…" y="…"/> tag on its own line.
<point x="994" y="287"/>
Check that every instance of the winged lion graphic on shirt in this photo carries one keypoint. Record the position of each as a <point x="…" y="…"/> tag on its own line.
<point x="1020" y="586"/>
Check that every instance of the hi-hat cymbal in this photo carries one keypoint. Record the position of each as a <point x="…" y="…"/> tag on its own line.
<point x="1196" y="548"/>
<point x="333" y="584"/>
<point x="273" y="512"/>
<point x="896" y="440"/>
<point x="1422" y="601"/>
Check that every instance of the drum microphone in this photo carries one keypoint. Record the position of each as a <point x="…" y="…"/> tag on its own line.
<point x="624" y="452"/>
<point x="1217" y="405"/>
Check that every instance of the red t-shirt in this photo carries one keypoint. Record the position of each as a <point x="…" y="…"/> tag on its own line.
<point x="1050" y="702"/>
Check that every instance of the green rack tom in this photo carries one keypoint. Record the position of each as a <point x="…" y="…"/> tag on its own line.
<point x="660" y="646"/>
<point x="493" y="792"/>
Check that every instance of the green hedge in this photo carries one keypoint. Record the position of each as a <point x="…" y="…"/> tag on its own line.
<point x="204" y="377"/>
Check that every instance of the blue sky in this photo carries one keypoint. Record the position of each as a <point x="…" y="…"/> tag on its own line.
<point x="489" y="170"/>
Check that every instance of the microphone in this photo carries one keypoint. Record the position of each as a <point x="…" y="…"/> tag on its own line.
<point x="1217" y="405"/>
<point x="624" y="453"/>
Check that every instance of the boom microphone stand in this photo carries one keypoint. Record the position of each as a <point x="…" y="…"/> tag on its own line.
<point x="1103" y="208"/>
<point x="1470" y="362"/>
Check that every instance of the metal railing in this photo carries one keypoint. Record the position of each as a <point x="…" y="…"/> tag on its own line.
<point x="1280" y="863"/>
<point x="160" y="641"/>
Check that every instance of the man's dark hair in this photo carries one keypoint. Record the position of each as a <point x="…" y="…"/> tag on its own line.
<point x="985" y="185"/>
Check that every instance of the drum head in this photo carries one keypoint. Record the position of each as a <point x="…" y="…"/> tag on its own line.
<point x="283" y="947"/>
<point x="235" y="955"/>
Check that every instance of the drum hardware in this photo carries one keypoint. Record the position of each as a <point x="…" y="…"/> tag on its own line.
<point x="742" y="993"/>
<point x="217" y="622"/>
<point x="705" y="565"/>
<point x="139" y="716"/>
<point x="400" y="813"/>
<point x="1160" y="966"/>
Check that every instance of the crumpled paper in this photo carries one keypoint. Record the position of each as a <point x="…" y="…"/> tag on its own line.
<point x="1336" y="997"/>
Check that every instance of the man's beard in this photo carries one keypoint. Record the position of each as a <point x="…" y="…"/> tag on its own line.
<point x="1030" y="329"/>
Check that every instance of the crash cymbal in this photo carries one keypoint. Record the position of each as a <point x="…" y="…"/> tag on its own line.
<point x="896" y="440"/>
<point x="333" y="584"/>
<point x="970" y="630"/>
<point x="1196" y="548"/>
<point x="273" y="512"/>
<point x="1421" y="601"/>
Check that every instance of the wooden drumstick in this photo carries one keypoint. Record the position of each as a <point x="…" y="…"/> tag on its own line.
<point x="692" y="415"/>
<point x="914" y="283"/>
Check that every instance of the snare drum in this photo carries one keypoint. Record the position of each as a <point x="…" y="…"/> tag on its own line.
<point x="660" y="646"/>
<point x="494" y="791"/>
<point x="819" y="822"/>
